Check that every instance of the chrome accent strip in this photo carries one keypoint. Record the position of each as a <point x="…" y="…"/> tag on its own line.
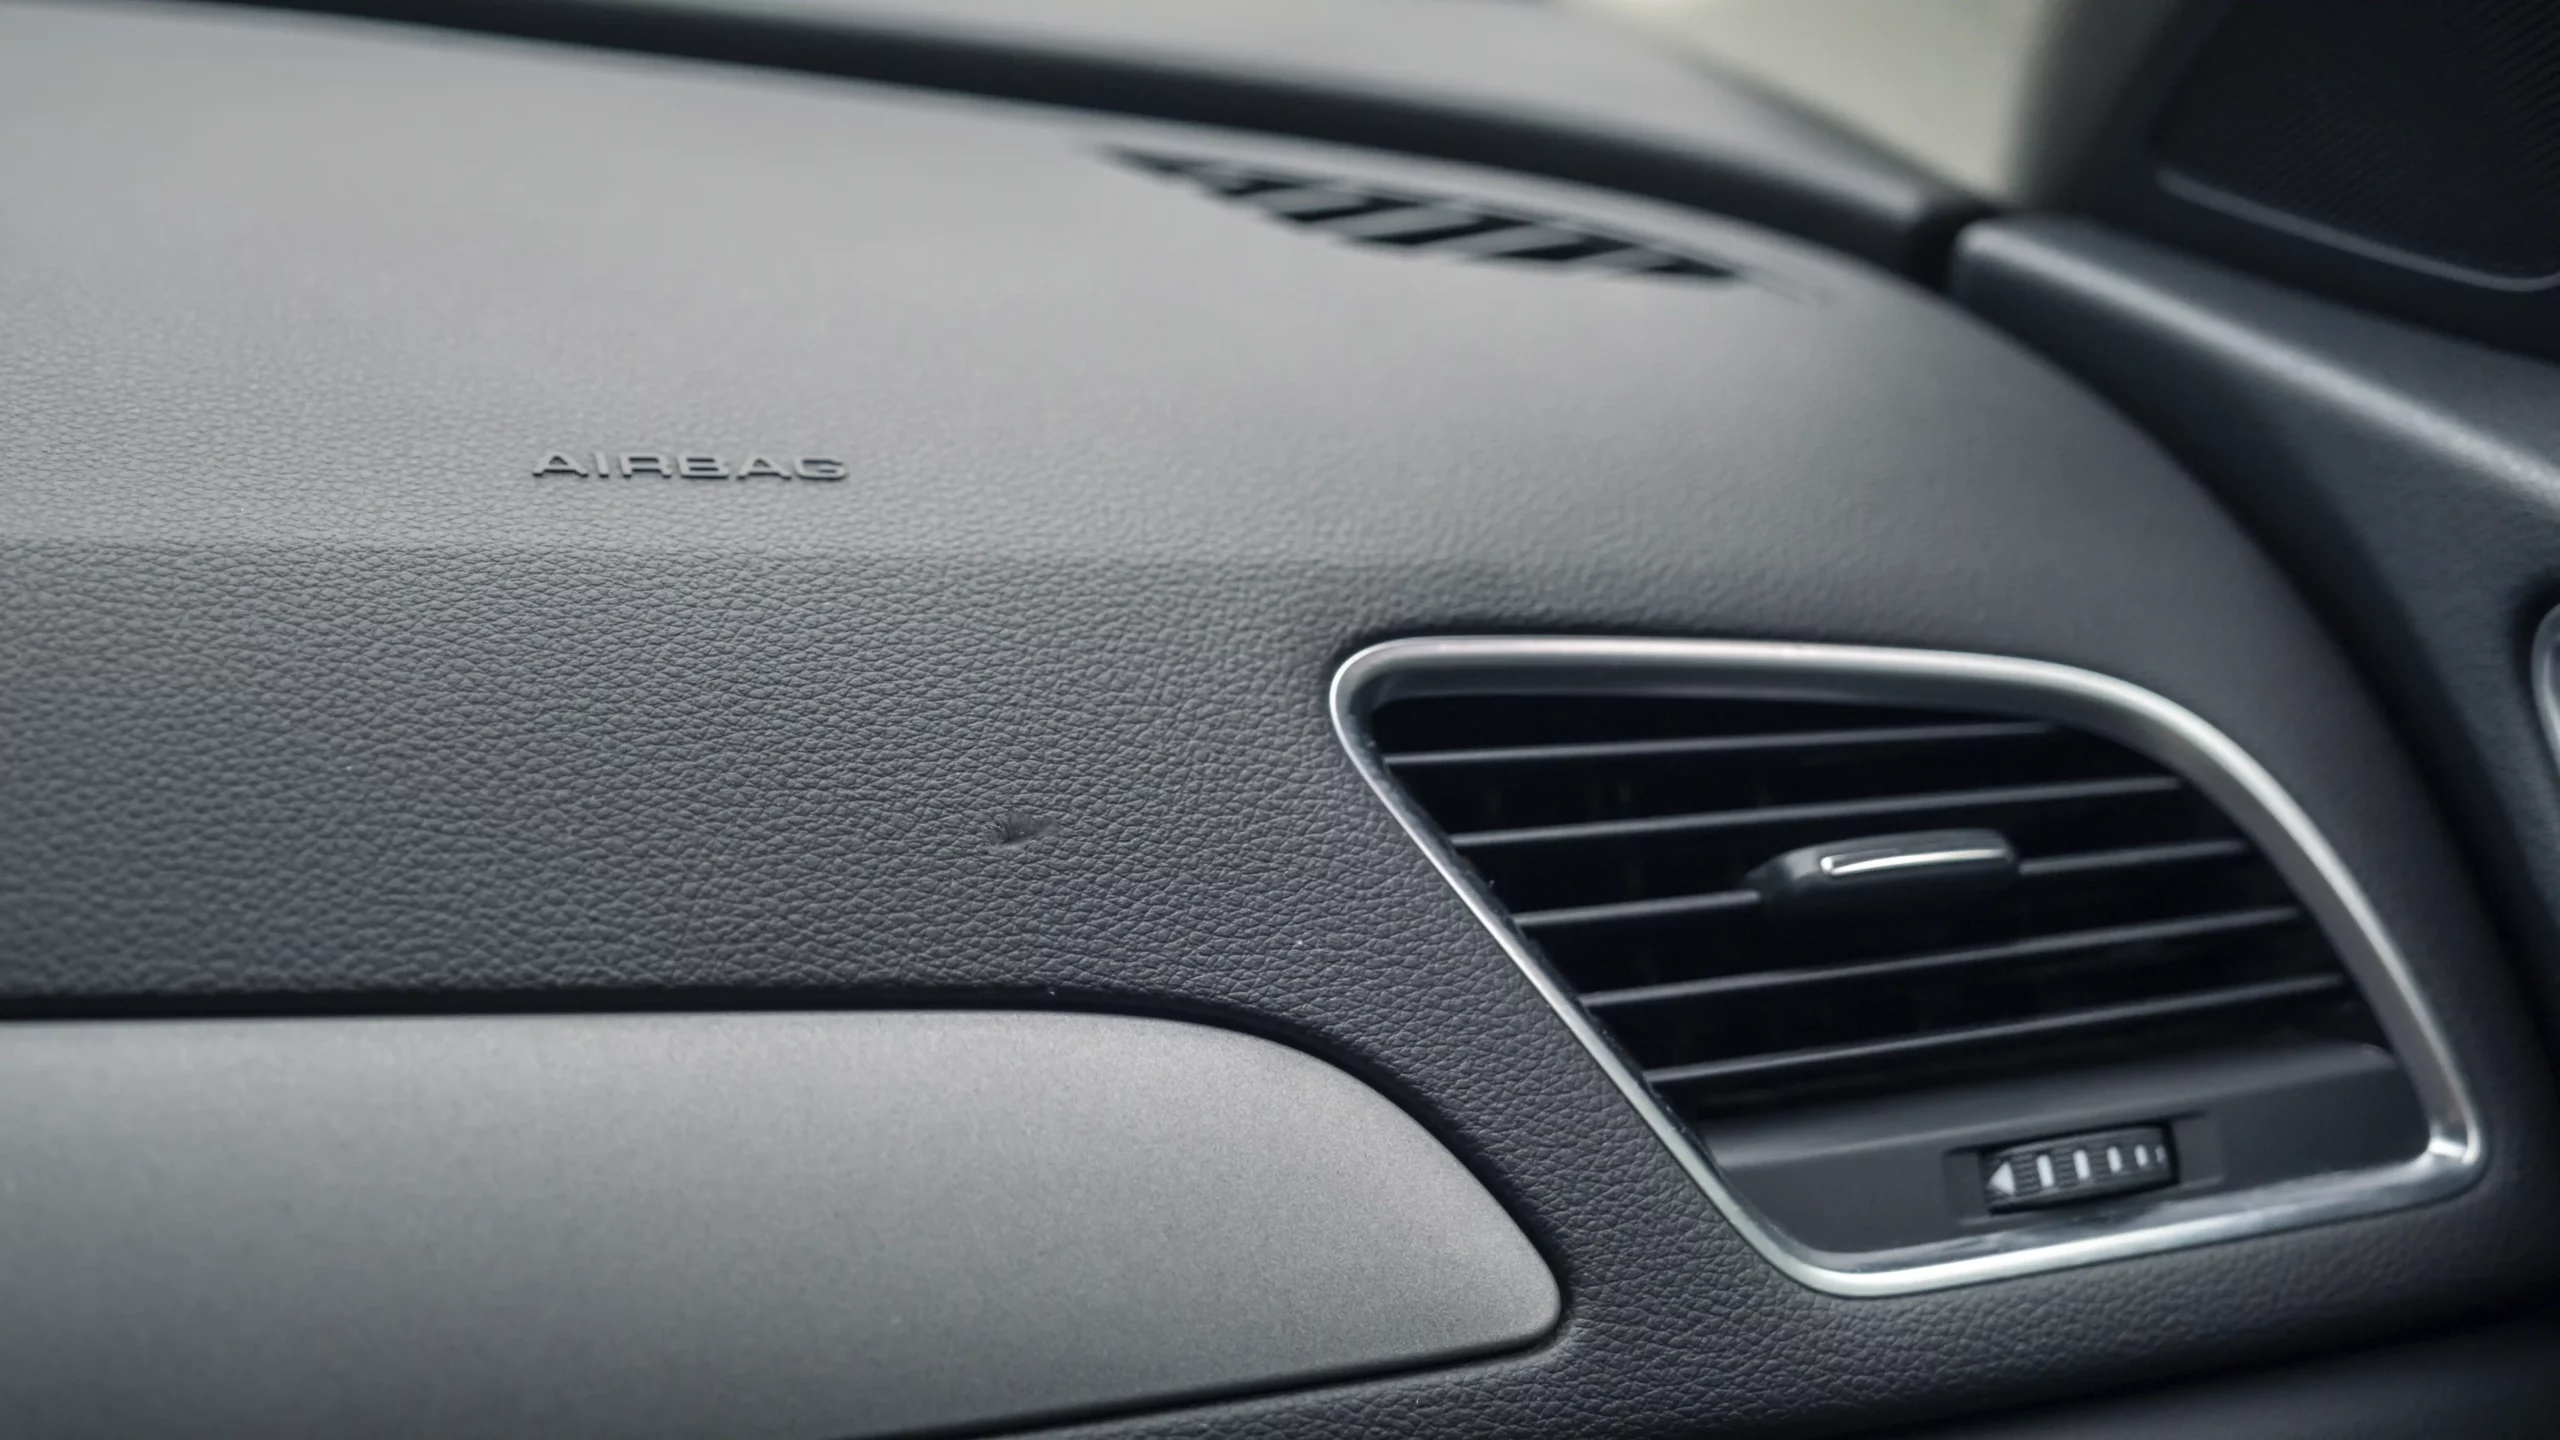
<point x="2546" y="679"/>
<point x="1875" y="862"/>
<point x="2123" y="712"/>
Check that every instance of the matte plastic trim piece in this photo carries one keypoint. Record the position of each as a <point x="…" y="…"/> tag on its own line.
<point x="645" y="1225"/>
<point x="2167" y="732"/>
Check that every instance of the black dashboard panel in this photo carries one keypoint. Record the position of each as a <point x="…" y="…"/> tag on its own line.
<point x="1526" y="87"/>
<point x="2393" y="156"/>
<point x="321" y="697"/>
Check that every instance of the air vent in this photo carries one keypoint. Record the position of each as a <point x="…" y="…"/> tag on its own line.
<point x="1622" y="833"/>
<point x="1422" y="224"/>
<point x="1933" y="968"/>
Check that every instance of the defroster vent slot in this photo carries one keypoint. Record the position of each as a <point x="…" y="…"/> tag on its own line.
<point x="1412" y="222"/>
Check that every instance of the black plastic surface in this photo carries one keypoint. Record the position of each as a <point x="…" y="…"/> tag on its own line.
<point x="316" y="696"/>
<point x="2395" y="154"/>
<point x="654" y="1225"/>
<point x="1534" y="88"/>
<point x="2411" y="480"/>
<point x="1883" y="1174"/>
<point x="2072" y="1171"/>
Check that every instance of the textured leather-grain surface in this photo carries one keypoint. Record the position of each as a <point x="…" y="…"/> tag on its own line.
<point x="2497" y="1382"/>
<point x="314" y="694"/>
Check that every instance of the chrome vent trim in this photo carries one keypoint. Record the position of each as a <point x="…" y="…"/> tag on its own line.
<point x="2545" y="666"/>
<point x="2113" y="709"/>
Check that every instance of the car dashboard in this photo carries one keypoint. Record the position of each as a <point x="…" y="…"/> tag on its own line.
<point x="698" y="746"/>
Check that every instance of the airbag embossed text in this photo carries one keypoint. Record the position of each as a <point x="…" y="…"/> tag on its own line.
<point x="672" y="465"/>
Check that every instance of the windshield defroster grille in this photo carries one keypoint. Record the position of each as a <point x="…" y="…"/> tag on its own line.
<point x="1422" y="224"/>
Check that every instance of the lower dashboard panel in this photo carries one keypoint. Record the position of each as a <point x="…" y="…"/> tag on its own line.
<point x="751" y="1224"/>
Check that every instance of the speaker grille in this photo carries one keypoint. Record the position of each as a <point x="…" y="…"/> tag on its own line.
<point x="2431" y="129"/>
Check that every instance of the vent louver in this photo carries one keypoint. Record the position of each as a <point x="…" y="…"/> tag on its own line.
<point x="1622" y="833"/>
<point x="1423" y="224"/>
<point x="1928" y="968"/>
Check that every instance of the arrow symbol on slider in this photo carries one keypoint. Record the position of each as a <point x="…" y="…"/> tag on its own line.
<point x="2004" y="1181"/>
